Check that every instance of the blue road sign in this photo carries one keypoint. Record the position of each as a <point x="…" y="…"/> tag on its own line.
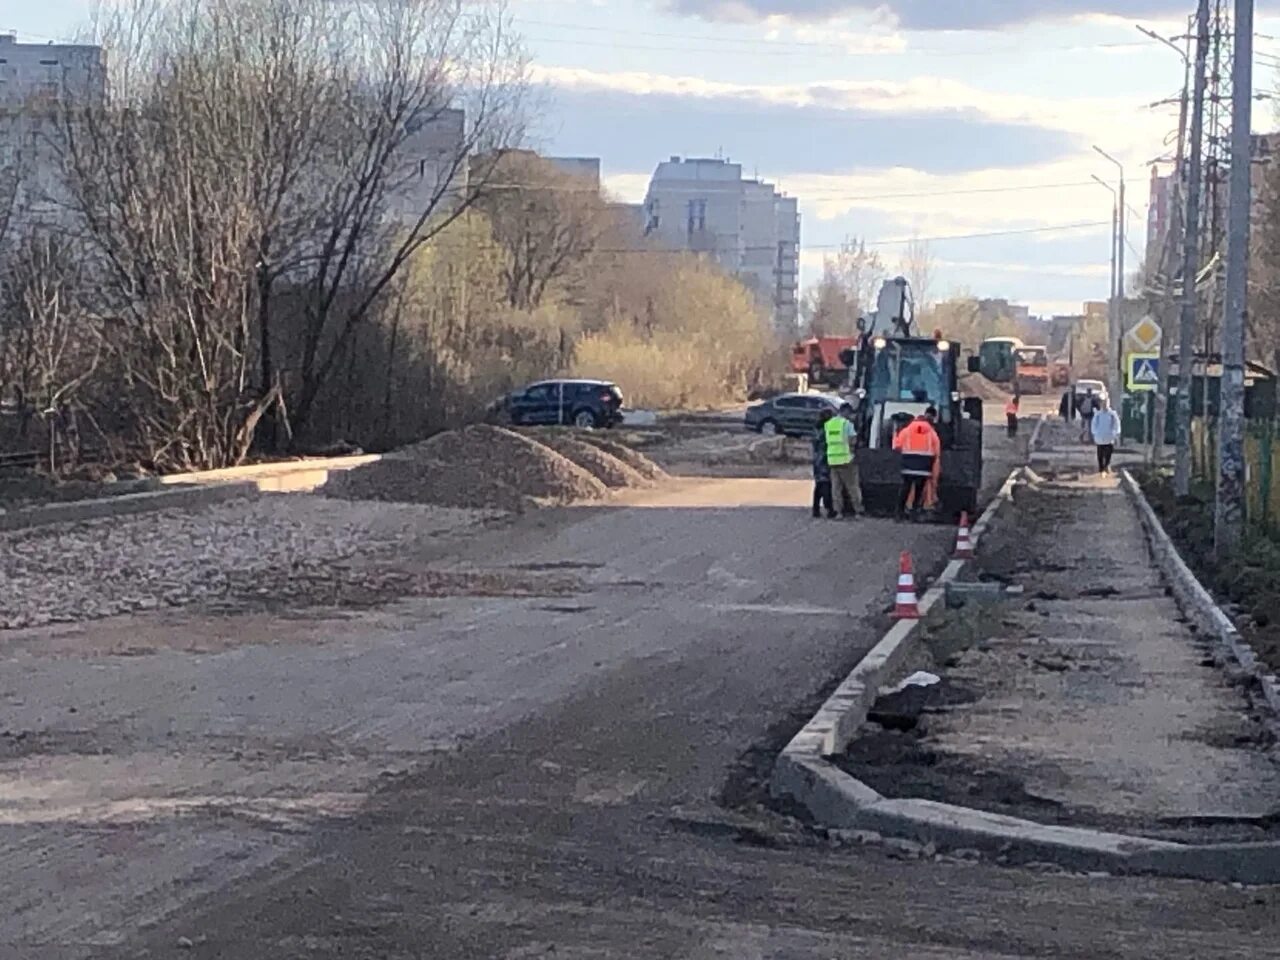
<point x="1142" y="371"/>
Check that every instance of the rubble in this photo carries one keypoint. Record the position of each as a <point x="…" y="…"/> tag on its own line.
<point x="288" y="550"/>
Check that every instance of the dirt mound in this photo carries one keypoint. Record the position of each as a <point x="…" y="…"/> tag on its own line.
<point x="632" y="458"/>
<point x="480" y="467"/>
<point x="976" y="385"/>
<point x="608" y="469"/>
<point x="408" y="480"/>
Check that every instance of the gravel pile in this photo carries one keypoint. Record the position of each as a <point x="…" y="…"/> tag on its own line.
<point x="278" y="551"/>
<point x="479" y="466"/>
<point x="632" y="458"/>
<point x="604" y="466"/>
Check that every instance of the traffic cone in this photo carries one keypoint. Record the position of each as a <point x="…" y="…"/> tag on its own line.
<point x="964" y="545"/>
<point x="907" y="606"/>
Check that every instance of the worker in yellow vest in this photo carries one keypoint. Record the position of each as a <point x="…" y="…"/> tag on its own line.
<point x="846" y="489"/>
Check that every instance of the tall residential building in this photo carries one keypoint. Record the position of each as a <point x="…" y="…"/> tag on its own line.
<point x="34" y="77"/>
<point x="434" y="166"/>
<point x="746" y="226"/>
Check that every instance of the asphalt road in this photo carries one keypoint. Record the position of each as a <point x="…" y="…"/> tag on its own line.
<point x="576" y="777"/>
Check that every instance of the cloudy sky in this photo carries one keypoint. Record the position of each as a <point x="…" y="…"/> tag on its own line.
<point x="888" y="118"/>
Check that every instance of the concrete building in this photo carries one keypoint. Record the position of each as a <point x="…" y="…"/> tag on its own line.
<point x="34" y="78"/>
<point x="434" y="167"/>
<point x="585" y="169"/>
<point x="746" y="226"/>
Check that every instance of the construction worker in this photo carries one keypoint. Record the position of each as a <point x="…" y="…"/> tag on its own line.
<point x="840" y="435"/>
<point x="822" y="470"/>
<point x="921" y="450"/>
<point x="1011" y="415"/>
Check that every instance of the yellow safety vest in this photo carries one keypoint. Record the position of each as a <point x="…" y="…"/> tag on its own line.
<point x="838" y="452"/>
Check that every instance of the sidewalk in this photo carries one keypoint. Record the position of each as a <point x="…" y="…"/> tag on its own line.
<point x="1089" y="701"/>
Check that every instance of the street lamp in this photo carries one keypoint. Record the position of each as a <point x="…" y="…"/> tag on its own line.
<point x="1117" y="292"/>
<point x="1165" y="40"/>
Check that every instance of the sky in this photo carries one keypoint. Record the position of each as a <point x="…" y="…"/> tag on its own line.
<point x="969" y="123"/>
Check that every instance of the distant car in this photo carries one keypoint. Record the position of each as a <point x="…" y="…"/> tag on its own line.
<point x="792" y="414"/>
<point x="1083" y="387"/>
<point x="578" y="403"/>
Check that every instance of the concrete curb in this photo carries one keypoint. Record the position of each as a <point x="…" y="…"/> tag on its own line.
<point x="1035" y="434"/>
<point x="182" y="498"/>
<point x="803" y="776"/>
<point x="1196" y="602"/>
<point x="284" y="476"/>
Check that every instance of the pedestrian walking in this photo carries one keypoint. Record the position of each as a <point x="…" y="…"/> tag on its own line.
<point x="1105" y="431"/>
<point x="1011" y="415"/>
<point x="921" y="451"/>
<point x="822" y="470"/>
<point x="840" y="435"/>
<point x="1067" y="406"/>
<point x="1088" y="406"/>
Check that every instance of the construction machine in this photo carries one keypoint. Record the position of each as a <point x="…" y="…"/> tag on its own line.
<point x="1032" y="370"/>
<point x="905" y="374"/>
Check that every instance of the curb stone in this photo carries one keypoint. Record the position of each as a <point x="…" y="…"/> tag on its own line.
<point x="803" y="775"/>
<point x="1195" y="601"/>
<point x="77" y="511"/>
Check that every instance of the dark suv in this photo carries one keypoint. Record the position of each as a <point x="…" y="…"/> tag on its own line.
<point x="580" y="403"/>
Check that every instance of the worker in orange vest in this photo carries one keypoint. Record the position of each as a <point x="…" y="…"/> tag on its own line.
<point x="921" y="451"/>
<point x="1011" y="415"/>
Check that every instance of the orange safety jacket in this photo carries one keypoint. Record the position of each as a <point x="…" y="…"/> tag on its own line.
<point x="920" y="447"/>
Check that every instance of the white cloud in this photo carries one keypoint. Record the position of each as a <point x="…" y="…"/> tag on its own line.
<point x="1122" y="123"/>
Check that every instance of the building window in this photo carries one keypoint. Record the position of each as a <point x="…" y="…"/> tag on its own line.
<point x="48" y="63"/>
<point x="654" y="219"/>
<point x="697" y="220"/>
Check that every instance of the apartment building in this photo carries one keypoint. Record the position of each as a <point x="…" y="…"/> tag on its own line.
<point x="752" y="231"/>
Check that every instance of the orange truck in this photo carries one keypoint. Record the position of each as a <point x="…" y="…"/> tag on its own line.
<point x="822" y="359"/>
<point x="1032" y="375"/>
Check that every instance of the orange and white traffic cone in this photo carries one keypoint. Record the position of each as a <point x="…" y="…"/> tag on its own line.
<point x="907" y="606"/>
<point x="964" y="544"/>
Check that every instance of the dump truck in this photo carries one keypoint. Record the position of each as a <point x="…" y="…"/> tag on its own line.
<point x="905" y="374"/>
<point x="822" y="360"/>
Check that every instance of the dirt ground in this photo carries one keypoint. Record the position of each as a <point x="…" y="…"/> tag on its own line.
<point x="1087" y="700"/>
<point x="478" y="777"/>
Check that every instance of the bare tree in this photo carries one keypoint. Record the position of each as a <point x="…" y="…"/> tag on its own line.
<point x="49" y="345"/>
<point x="248" y="187"/>
<point x="546" y="222"/>
<point x="850" y="279"/>
<point x="919" y="266"/>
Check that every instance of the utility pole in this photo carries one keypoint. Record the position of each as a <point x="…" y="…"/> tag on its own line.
<point x="1229" y="512"/>
<point x="1191" y="259"/>
<point x="1116" y="381"/>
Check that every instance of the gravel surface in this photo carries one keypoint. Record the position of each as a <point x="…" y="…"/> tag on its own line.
<point x="292" y="550"/>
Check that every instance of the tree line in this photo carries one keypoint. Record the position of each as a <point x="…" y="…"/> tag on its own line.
<point x="253" y="243"/>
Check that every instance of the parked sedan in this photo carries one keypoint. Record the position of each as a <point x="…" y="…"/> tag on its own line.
<point x="792" y="414"/>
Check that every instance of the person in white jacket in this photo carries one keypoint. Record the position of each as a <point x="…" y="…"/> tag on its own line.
<point x="1105" y="428"/>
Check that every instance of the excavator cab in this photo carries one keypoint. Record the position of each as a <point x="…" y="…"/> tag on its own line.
<point x="904" y="377"/>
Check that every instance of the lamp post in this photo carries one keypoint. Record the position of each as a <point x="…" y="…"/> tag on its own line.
<point x="1117" y="291"/>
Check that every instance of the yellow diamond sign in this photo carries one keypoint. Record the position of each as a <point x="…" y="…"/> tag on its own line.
<point x="1145" y="336"/>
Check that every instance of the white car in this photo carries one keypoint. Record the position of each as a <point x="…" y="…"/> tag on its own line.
<point x="1096" y="387"/>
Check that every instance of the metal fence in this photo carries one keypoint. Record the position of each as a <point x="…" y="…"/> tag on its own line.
<point x="1262" y="468"/>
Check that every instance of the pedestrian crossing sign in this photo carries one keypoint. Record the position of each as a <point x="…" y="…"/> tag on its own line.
<point x="1143" y="371"/>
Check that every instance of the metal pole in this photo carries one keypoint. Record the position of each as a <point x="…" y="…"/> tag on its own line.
<point x="1191" y="260"/>
<point x="1167" y="257"/>
<point x="1229" y="513"/>
<point x="1115" y="382"/>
